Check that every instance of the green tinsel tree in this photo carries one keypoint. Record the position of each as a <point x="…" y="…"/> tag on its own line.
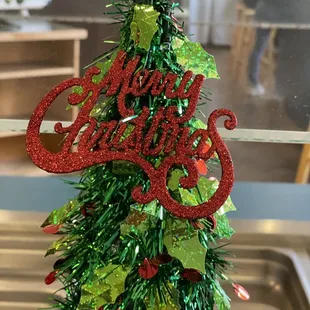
<point x="115" y="253"/>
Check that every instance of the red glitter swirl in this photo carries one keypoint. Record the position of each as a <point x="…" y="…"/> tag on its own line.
<point x="104" y="142"/>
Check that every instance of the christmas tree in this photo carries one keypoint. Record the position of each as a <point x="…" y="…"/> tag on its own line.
<point x="144" y="230"/>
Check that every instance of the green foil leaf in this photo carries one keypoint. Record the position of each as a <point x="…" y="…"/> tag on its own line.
<point x="188" y="198"/>
<point x="105" y="286"/>
<point x="193" y="57"/>
<point x="60" y="216"/>
<point x="144" y="25"/>
<point x="60" y="245"/>
<point x="78" y="90"/>
<point x="100" y="109"/>
<point x="199" y="124"/>
<point x="104" y="67"/>
<point x="223" y="228"/>
<point x="227" y="206"/>
<point x="151" y="208"/>
<point x="185" y="246"/>
<point x="174" y="180"/>
<point x="206" y="188"/>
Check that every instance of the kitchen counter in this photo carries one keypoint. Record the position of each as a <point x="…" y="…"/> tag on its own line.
<point x="271" y="256"/>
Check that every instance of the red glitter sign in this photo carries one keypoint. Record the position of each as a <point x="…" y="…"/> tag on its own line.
<point x="103" y="142"/>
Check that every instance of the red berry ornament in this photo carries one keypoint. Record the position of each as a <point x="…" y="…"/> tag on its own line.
<point x="206" y="148"/>
<point x="192" y="275"/>
<point x="241" y="292"/>
<point x="51" y="278"/>
<point x="88" y="210"/>
<point x="148" y="270"/>
<point x="59" y="262"/>
<point x="161" y="259"/>
<point x="202" y="167"/>
<point x="51" y="229"/>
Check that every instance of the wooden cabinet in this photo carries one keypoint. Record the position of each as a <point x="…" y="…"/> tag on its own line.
<point x="34" y="57"/>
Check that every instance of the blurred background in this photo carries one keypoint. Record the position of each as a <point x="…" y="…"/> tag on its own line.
<point x="261" y="49"/>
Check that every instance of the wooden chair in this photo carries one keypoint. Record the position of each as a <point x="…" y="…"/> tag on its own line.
<point x="242" y="45"/>
<point x="237" y="30"/>
<point x="271" y="50"/>
<point x="269" y="59"/>
<point x="243" y="34"/>
<point x="303" y="171"/>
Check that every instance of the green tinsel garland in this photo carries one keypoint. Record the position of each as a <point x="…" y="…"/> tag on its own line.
<point x="101" y="253"/>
